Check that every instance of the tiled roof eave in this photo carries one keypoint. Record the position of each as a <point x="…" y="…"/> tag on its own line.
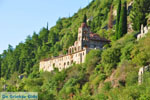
<point x="100" y="40"/>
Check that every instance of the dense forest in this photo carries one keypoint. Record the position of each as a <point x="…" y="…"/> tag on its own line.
<point x="109" y="74"/>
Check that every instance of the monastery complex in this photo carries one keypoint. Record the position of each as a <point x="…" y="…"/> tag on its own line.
<point x="86" y="41"/>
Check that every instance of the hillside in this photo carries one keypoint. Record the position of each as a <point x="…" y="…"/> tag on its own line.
<point x="109" y="74"/>
<point x="52" y="42"/>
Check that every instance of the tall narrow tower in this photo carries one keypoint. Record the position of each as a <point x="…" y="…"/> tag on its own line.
<point x="83" y="36"/>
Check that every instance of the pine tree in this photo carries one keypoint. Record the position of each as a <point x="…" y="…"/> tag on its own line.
<point x="118" y="19"/>
<point x="123" y="21"/>
<point x="85" y="18"/>
<point x="110" y="22"/>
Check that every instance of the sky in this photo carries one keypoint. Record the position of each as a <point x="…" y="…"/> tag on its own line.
<point x="20" y="18"/>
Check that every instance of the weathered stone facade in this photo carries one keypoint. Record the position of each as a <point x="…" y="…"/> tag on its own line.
<point x="142" y="70"/>
<point x="76" y="53"/>
<point x="144" y="31"/>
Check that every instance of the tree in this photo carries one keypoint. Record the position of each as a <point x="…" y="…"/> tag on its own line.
<point x="35" y="40"/>
<point x="110" y="58"/>
<point x="84" y="18"/>
<point x="52" y="38"/>
<point x="110" y="23"/>
<point x="47" y="26"/>
<point x="43" y="35"/>
<point x="123" y="21"/>
<point x="0" y="65"/>
<point x="139" y="11"/>
<point x="118" y="19"/>
<point x="92" y="59"/>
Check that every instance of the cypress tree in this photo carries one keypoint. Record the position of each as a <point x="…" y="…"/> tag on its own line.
<point x="125" y="29"/>
<point x="85" y="18"/>
<point x="118" y="19"/>
<point x="47" y="26"/>
<point x="110" y="22"/>
<point x="123" y="21"/>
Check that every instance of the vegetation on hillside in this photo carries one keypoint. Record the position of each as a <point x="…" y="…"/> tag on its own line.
<point x="109" y="74"/>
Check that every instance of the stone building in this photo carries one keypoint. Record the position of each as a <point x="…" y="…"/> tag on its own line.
<point x="76" y="54"/>
<point x="144" y="31"/>
<point x="141" y="72"/>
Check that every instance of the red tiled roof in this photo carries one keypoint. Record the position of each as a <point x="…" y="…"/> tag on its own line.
<point x="96" y="37"/>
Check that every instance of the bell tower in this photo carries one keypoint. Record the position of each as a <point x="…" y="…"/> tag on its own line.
<point x="83" y="36"/>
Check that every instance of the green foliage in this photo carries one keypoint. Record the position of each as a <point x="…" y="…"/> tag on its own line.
<point x="48" y="43"/>
<point x="85" y="18"/>
<point x="92" y="59"/>
<point x="139" y="12"/>
<point x="118" y="19"/>
<point x="110" y="58"/>
<point x="132" y="78"/>
<point x="0" y="65"/>
<point x="126" y="51"/>
<point x="107" y="86"/>
<point x="123" y="21"/>
<point x="92" y="80"/>
<point x="101" y="97"/>
<point x="144" y="97"/>
<point x="140" y="54"/>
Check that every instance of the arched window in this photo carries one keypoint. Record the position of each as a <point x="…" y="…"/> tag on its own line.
<point x="75" y="49"/>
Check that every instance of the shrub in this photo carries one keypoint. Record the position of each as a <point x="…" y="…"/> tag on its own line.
<point x="140" y="54"/>
<point x="126" y="51"/>
<point x="110" y="58"/>
<point x="92" y="59"/>
<point x="107" y="86"/>
<point x="101" y="97"/>
<point x="132" y="78"/>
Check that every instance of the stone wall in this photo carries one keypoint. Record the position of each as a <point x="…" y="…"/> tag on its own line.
<point x="144" y="31"/>
<point x="65" y="61"/>
<point x="142" y="70"/>
<point x="76" y="53"/>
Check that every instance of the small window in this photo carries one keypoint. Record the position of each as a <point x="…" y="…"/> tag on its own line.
<point x="84" y="32"/>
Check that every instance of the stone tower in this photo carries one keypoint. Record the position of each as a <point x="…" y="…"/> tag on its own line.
<point x="86" y="41"/>
<point x="83" y="36"/>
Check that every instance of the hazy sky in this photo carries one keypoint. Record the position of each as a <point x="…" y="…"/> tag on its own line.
<point x="20" y="18"/>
